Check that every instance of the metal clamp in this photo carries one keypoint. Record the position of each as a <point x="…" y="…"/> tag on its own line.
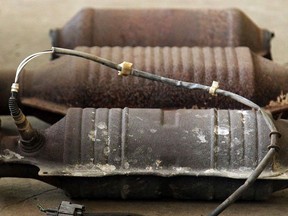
<point x="276" y="133"/>
<point x="15" y="87"/>
<point x="274" y="138"/>
<point x="65" y="208"/>
<point x="213" y="88"/>
<point x="126" y="68"/>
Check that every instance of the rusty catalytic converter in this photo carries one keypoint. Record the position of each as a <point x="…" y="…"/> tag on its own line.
<point x="162" y="27"/>
<point x="151" y="153"/>
<point x="80" y="83"/>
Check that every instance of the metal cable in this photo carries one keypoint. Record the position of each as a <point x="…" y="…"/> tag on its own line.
<point x="88" y="56"/>
<point x="26" y="60"/>
<point x="250" y="180"/>
<point x="134" y="72"/>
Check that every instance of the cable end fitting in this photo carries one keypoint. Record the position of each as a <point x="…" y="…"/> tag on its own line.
<point x="15" y="87"/>
<point x="31" y="140"/>
<point x="213" y="88"/>
<point x="274" y="136"/>
<point x="126" y="68"/>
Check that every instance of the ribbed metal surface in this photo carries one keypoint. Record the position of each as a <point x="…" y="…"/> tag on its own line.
<point x="77" y="82"/>
<point x="155" y="140"/>
<point x="162" y="27"/>
<point x="153" y="153"/>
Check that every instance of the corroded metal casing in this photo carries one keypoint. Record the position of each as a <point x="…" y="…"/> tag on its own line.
<point x="74" y="82"/>
<point x="162" y="27"/>
<point x="6" y="80"/>
<point x="154" y="153"/>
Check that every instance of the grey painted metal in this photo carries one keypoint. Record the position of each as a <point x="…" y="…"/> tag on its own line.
<point x="154" y="153"/>
<point x="206" y="139"/>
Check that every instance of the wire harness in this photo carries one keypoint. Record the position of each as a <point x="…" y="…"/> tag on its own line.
<point x="125" y="69"/>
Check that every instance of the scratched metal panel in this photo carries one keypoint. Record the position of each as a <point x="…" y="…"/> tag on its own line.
<point x="152" y="153"/>
<point x="167" y="142"/>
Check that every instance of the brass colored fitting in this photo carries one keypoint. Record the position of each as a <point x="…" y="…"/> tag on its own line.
<point x="126" y="69"/>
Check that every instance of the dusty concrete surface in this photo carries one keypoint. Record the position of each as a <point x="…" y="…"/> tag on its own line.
<point x="21" y="197"/>
<point x="24" y="30"/>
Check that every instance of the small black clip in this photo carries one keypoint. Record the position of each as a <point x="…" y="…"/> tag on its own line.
<point x="66" y="208"/>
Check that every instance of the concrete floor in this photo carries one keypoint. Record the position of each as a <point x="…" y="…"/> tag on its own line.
<point x="24" y="30"/>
